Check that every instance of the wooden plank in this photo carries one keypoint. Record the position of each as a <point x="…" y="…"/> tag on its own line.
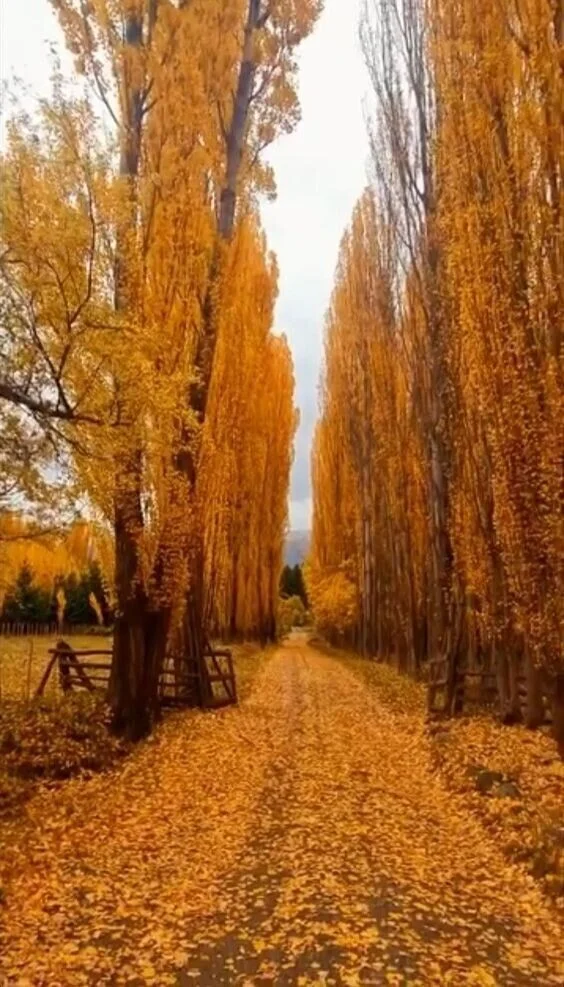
<point x="219" y="702"/>
<point x="81" y="654"/>
<point x="77" y="668"/>
<point x="178" y="701"/>
<point x="64" y="672"/>
<point x="219" y="671"/>
<point x="174" y="687"/>
<point x="45" y="677"/>
<point x="171" y="674"/>
<point x="94" y="685"/>
<point x="218" y="678"/>
<point x="98" y="677"/>
<point x="230" y="681"/>
<point x="233" y="678"/>
<point x="225" y="677"/>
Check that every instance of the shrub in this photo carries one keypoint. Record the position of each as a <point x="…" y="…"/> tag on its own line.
<point x="50" y="741"/>
<point x="291" y="613"/>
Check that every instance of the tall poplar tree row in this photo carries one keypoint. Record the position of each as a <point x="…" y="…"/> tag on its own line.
<point x="437" y="465"/>
<point x="124" y="220"/>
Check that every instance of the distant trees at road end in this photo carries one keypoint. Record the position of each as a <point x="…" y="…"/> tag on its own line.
<point x="292" y="583"/>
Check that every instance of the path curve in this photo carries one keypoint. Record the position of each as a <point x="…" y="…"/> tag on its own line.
<point x="299" y="839"/>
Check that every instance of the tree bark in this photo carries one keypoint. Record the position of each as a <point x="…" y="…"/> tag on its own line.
<point x="534" y="708"/>
<point x="140" y="634"/>
<point x="558" y="712"/>
<point x="507" y="673"/>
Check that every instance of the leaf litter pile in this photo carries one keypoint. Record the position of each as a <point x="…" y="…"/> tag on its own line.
<point x="302" y="838"/>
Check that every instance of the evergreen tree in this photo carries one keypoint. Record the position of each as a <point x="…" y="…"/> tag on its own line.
<point x="292" y="583"/>
<point x="25" y="602"/>
<point x="77" y="589"/>
<point x="299" y="585"/>
<point x="287" y="582"/>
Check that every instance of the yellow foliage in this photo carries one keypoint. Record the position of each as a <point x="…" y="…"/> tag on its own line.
<point x="334" y="600"/>
<point x="437" y="464"/>
<point x="142" y="291"/>
<point x="49" y="555"/>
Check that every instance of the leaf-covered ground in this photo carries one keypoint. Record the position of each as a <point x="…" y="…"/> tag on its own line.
<point x="511" y="778"/>
<point x="302" y="838"/>
<point x="528" y="825"/>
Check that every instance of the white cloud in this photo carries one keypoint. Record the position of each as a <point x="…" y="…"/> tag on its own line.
<point x="300" y="514"/>
<point x="320" y="172"/>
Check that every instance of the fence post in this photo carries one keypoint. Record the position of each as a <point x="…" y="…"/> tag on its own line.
<point x="29" y="663"/>
<point x="64" y="673"/>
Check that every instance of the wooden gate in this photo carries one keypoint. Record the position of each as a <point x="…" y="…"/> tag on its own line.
<point x="210" y="684"/>
<point x="75" y="670"/>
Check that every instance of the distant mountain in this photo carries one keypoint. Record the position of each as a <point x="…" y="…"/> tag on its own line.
<point x="297" y="545"/>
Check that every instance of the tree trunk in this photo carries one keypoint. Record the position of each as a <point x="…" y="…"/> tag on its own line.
<point x="193" y="638"/>
<point x="507" y="674"/>
<point x="500" y="663"/>
<point x="140" y="635"/>
<point x="534" y="709"/>
<point x="140" y="639"/>
<point x="453" y="654"/>
<point x="558" y="712"/>
<point x="133" y="682"/>
<point x="516" y="712"/>
<point x="234" y="602"/>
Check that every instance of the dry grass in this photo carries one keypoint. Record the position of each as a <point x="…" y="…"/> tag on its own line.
<point x="23" y="661"/>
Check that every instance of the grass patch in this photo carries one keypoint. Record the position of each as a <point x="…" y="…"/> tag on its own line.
<point x="49" y="739"/>
<point x="23" y="661"/>
<point x="55" y="737"/>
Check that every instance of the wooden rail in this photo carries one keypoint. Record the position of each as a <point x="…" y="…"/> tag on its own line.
<point x="181" y="684"/>
<point x="473" y="687"/>
<point x="73" y="670"/>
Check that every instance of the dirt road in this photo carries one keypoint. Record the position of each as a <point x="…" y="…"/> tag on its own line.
<point x="299" y="839"/>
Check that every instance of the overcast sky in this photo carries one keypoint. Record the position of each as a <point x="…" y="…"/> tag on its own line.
<point x="320" y="172"/>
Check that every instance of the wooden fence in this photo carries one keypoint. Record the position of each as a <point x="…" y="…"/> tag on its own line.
<point x="30" y="629"/>
<point x="473" y="688"/>
<point x="210" y="685"/>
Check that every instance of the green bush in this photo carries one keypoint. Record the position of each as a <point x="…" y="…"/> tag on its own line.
<point x="25" y="602"/>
